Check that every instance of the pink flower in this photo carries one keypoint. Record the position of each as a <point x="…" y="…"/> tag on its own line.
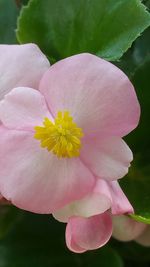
<point x="89" y="220"/>
<point x="61" y="127"/>
<point x="127" y="229"/>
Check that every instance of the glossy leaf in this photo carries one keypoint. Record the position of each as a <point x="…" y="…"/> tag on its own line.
<point x="63" y="28"/>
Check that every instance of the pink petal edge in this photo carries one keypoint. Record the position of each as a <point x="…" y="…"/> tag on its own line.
<point x="84" y="234"/>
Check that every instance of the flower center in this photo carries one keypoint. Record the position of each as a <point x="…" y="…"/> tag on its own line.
<point x="62" y="137"/>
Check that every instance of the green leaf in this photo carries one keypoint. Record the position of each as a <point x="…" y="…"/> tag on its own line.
<point x="63" y="28"/>
<point x="38" y="240"/>
<point x="8" y="18"/>
<point x="137" y="56"/>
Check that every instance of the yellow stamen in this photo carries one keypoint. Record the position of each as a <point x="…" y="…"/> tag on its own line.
<point x="62" y="137"/>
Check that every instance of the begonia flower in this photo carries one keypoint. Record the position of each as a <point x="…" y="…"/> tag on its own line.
<point x="61" y="127"/>
<point x="127" y="229"/>
<point x="21" y="65"/>
<point x="89" y="220"/>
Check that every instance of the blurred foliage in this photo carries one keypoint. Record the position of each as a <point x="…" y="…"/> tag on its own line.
<point x="132" y="253"/>
<point x="38" y="240"/>
<point x="63" y="28"/>
<point x="9" y="215"/>
<point x="147" y="3"/>
<point x="8" y="16"/>
<point x="19" y="3"/>
<point x="136" y="63"/>
<point x="24" y="2"/>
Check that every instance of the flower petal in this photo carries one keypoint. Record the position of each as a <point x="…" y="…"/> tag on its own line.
<point x="120" y="203"/>
<point x="105" y="196"/>
<point x="98" y="95"/>
<point x="23" y="108"/>
<point x="21" y="65"/>
<point x="126" y="229"/>
<point x="96" y="202"/>
<point x="84" y="234"/>
<point x="36" y="180"/>
<point x="144" y="237"/>
<point x="108" y="158"/>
